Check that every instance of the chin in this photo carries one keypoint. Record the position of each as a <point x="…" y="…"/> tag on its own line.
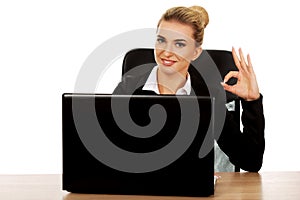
<point x="167" y="69"/>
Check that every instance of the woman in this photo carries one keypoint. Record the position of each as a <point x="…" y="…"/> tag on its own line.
<point x="179" y="38"/>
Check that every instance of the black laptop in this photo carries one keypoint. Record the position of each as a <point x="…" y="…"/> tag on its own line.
<point x="138" y="145"/>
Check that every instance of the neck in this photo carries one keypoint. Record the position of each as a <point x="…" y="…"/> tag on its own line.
<point x="170" y="83"/>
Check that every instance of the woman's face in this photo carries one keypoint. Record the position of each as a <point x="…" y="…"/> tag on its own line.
<point x="175" y="47"/>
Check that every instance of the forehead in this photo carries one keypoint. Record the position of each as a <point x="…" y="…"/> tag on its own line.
<point x="175" y="30"/>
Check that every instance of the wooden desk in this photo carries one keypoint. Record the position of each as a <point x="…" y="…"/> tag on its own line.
<point x="265" y="185"/>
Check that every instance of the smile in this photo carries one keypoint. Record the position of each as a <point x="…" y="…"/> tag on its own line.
<point x="167" y="62"/>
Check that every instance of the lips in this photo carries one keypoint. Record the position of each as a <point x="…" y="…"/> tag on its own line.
<point x="167" y="62"/>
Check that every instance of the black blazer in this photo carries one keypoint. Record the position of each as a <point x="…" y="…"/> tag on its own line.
<point x="244" y="149"/>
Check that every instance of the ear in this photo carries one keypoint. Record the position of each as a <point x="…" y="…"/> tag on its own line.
<point x="197" y="52"/>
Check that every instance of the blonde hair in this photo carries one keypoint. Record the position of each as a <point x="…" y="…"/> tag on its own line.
<point x="195" y="16"/>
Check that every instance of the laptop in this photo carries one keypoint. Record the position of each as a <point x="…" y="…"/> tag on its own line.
<point x="138" y="144"/>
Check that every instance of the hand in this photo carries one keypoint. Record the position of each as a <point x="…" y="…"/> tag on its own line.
<point x="246" y="86"/>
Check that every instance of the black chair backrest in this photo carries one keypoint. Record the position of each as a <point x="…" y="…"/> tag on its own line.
<point x="222" y="58"/>
<point x="136" y="57"/>
<point x="143" y="56"/>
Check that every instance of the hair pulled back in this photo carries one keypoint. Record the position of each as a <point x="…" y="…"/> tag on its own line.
<point x="194" y="16"/>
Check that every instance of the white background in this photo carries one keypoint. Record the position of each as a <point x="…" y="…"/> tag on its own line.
<point x="43" y="45"/>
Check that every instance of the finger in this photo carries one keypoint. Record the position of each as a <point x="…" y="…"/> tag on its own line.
<point x="236" y="59"/>
<point x="231" y="74"/>
<point x="249" y="63"/>
<point x="228" y="88"/>
<point x="243" y="62"/>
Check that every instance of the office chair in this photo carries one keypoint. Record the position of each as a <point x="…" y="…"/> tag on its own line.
<point x="225" y="63"/>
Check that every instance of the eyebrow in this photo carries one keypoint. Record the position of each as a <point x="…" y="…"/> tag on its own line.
<point x="180" y="40"/>
<point x="177" y="40"/>
<point x="161" y="36"/>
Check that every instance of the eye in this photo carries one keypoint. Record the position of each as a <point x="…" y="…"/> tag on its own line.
<point x="160" y="40"/>
<point x="180" y="44"/>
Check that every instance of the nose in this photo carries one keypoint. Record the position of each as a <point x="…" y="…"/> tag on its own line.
<point x="168" y="51"/>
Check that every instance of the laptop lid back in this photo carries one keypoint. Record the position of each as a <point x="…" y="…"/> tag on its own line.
<point x="141" y="145"/>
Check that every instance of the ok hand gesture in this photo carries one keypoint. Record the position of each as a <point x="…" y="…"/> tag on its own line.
<point x="246" y="86"/>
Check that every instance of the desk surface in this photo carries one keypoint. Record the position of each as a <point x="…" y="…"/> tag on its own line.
<point x="264" y="185"/>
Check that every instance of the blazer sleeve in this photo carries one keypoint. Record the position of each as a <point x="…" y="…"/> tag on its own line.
<point x="245" y="149"/>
